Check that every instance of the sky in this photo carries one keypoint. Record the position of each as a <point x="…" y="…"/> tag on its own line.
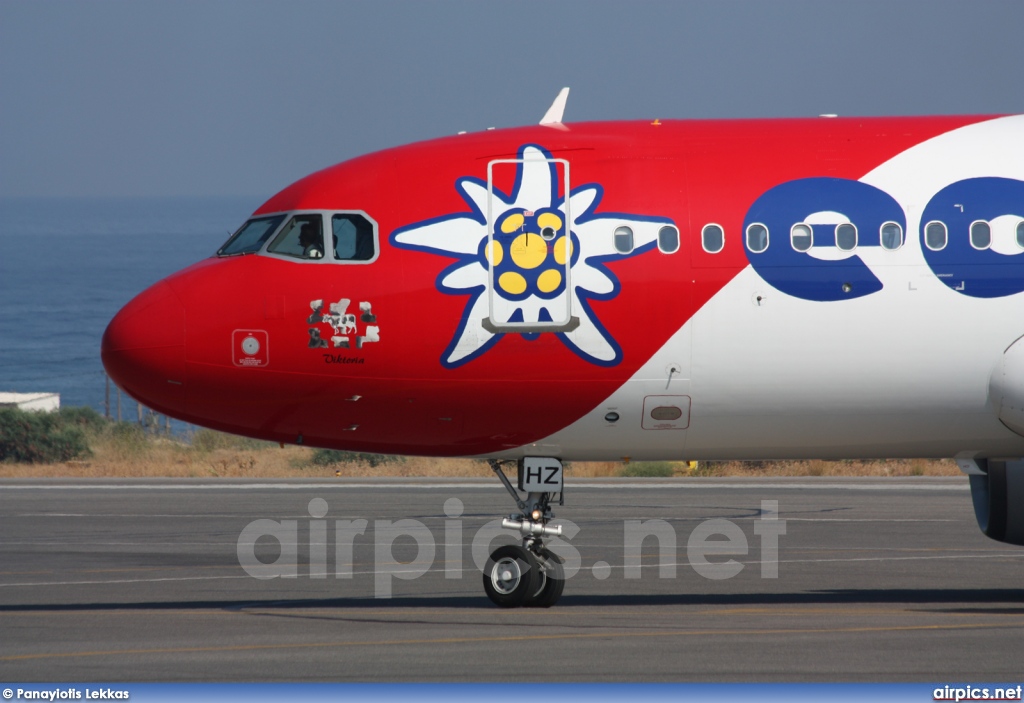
<point x="232" y="97"/>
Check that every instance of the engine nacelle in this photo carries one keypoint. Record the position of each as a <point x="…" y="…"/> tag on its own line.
<point x="999" y="501"/>
<point x="1006" y="387"/>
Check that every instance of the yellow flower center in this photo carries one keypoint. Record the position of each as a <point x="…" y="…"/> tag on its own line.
<point x="549" y="280"/>
<point x="512" y="282"/>
<point x="495" y="253"/>
<point x="512" y="223"/>
<point x="528" y="251"/>
<point x="561" y="255"/>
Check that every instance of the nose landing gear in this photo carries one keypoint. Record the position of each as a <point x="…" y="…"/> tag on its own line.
<point x="528" y="574"/>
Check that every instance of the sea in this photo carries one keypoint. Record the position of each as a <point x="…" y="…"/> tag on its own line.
<point x="67" y="265"/>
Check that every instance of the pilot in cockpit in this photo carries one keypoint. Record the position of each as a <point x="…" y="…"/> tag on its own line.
<point x="311" y="241"/>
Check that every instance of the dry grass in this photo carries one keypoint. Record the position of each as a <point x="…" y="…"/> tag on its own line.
<point x="216" y="455"/>
<point x="817" y="467"/>
<point x="175" y="460"/>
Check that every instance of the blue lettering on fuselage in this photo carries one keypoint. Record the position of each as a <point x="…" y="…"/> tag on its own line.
<point x="980" y="273"/>
<point x="819" y="200"/>
<point x="826" y="273"/>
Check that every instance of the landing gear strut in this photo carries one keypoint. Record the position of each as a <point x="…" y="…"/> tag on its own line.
<point x="528" y="574"/>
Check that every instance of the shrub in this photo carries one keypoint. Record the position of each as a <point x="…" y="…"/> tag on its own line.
<point x="816" y="468"/>
<point x="127" y="440"/>
<point x="710" y="468"/>
<point x="205" y="440"/>
<point x="648" y="469"/>
<point x="85" y="417"/>
<point x="328" y="457"/>
<point x="39" y="438"/>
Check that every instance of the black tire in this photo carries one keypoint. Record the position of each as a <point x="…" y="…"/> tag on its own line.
<point x="512" y="573"/>
<point x="552" y="581"/>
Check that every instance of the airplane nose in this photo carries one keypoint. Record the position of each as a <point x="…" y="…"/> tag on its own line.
<point x="143" y="349"/>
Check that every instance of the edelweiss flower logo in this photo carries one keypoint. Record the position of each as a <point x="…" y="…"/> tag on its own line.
<point x="542" y="263"/>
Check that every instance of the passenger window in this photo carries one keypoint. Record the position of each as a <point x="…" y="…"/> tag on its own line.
<point x="668" y="239"/>
<point x="353" y="237"/>
<point x="981" y="234"/>
<point x="302" y="238"/>
<point x="251" y="236"/>
<point x="1020" y="234"/>
<point x="757" y="237"/>
<point x="712" y="238"/>
<point x="891" y="235"/>
<point x="623" y="240"/>
<point x="846" y="237"/>
<point x="801" y="237"/>
<point x="935" y="235"/>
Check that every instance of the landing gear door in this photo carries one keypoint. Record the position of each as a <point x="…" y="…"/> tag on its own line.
<point x="529" y="246"/>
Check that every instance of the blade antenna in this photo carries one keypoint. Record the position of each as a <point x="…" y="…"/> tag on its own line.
<point x="554" y="114"/>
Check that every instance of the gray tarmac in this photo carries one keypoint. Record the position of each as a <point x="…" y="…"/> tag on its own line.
<point x="136" y="580"/>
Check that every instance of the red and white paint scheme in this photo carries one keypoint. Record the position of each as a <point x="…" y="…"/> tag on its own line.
<point x="791" y="288"/>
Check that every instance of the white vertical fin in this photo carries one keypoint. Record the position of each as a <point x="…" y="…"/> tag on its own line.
<point x="557" y="109"/>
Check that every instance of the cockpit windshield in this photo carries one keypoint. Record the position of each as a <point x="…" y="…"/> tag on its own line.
<point x="331" y="236"/>
<point x="251" y="236"/>
<point x="302" y="238"/>
<point x="353" y="237"/>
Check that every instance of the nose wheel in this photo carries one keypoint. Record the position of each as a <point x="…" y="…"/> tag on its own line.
<point x="552" y="581"/>
<point x="512" y="576"/>
<point x="528" y="574"/>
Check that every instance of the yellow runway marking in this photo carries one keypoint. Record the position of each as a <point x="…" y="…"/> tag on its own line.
<point x="118" y="570"/>
<point x="513" y="638"/>
<point x="273" y="608"/>
<point x="908" y="609"/>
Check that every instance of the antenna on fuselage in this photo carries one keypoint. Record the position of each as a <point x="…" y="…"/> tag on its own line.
<point x="554" y="114"/>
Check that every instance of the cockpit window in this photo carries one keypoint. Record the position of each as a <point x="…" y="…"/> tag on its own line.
<point x="251" y="236"/>
<point x="353" y="237"/>
<point x="302" y="238"/>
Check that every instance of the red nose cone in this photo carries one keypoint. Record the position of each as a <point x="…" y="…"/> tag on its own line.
<point x="143" y="349"/>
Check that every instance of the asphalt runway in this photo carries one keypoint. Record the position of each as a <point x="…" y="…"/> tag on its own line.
<point x="877" y="580"/>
